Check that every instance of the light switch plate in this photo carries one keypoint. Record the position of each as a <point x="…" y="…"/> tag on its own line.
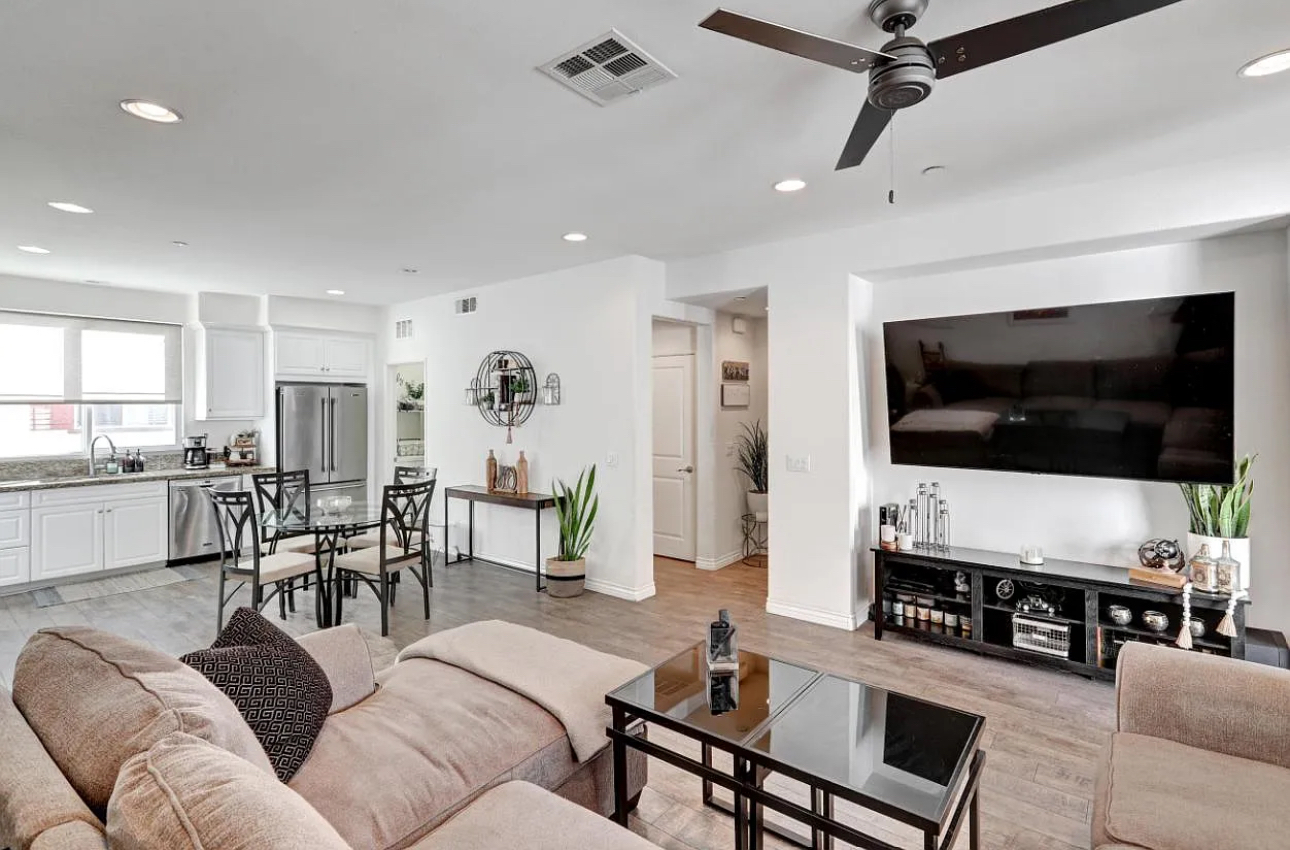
<point x="611" y="459"/>
<point x="731" y="449"/>
<point x="799" y="464"/>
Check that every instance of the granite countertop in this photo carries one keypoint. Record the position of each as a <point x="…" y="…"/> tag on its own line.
<point x="173" y="474"/>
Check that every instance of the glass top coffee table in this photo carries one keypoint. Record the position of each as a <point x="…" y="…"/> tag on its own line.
<point x="908" y="759"/>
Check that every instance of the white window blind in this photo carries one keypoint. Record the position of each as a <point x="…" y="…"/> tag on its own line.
<point x="65" y="359"/>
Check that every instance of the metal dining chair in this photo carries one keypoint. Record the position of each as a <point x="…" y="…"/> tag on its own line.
<point x="244" y="558"/>
<point x="402" y="475"/>
<point x="404" y="544"/>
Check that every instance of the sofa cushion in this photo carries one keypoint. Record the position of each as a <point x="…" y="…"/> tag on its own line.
<point x="432" y="737"/>
<point x="187" y="794"/>
<point x="343" y="655"/>
<point x="987" y="404"/>
<point x="95" y="699"/>
<point x="1059" y="378"/>
<point x="1045" y="403"/>
<point x="1143" y="414"/>
<point x="961" y="381"/>
<point x="1162" y="795"/>
<point x="1200" y="428"/>
<point x="282" y="693"/>
<point x="548" y="823"/>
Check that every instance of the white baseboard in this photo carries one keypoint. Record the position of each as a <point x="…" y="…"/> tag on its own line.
<point x="620" y="591"/>
<point x="719" y="561"/>
<point x="833" y="619"/>
<point x="505" y="562"/>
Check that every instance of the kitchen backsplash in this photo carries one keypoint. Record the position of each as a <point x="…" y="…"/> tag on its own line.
<point x="71" y="467"/>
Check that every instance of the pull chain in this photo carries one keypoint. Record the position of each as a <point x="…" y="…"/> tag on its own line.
<point x="891" y="193"/>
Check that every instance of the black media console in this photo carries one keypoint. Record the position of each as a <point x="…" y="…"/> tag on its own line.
<point x="1057" y="614"/>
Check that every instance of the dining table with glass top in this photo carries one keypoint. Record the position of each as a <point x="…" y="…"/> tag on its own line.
<point x="908" y="759"/>
<point x="330" y="528"/>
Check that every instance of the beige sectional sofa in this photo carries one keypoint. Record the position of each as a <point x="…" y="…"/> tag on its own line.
<point x="401" y="752"/>
<point x="1201" y="756"/>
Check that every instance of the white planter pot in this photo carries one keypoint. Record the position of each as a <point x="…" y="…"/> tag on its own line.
<point x="1240" y="547"/>
<point x="758" y="504"/>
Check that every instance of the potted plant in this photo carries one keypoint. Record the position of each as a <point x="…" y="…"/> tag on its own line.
<point x="1221" y="514"/>
<point x="754" y="463"/>
<point x="575" y="508"/>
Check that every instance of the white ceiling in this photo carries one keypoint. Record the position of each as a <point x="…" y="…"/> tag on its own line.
<point x="329" y="145"/>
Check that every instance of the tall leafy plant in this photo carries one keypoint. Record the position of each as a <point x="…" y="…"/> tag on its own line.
<point x="576" y="508"/>
<point x="754" y="456"/>
<point x="1221" y="511"/>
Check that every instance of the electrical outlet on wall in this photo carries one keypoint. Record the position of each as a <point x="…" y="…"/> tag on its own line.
<point x="799" y="464"/>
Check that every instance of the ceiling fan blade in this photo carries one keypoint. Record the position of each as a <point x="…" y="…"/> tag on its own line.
<point x="839" y="54"/>
<point x="869" y="126"/>
<point x="984" y="45"/>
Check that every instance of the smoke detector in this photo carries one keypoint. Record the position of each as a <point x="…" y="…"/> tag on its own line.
<point x="607" y="69"/>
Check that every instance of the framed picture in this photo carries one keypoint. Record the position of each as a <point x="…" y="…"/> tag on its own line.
<point x="734" y="370"/>
<point x="736" y="395"/>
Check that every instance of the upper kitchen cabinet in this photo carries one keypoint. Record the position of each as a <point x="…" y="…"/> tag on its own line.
<point x="302" y="354"/>
<point x="230" y="373"/>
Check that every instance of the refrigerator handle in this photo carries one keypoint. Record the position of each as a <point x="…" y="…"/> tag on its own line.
<point x="333" y="434"/>
<point x="322" y="444"/>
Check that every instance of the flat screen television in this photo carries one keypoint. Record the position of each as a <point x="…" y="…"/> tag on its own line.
<point x="1132" y="389"/>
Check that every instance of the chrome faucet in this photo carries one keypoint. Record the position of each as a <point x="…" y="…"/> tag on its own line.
<point x="94" y="443"/>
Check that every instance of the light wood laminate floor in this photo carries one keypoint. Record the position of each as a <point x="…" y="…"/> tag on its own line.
<point x="1043" y="733"/>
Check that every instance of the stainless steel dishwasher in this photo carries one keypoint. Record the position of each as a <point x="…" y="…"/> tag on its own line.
<point x="192" y="521"/>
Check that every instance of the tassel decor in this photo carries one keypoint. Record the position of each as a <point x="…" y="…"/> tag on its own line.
<point x="1184" y="634"/>
<point x="1227" y="628"/>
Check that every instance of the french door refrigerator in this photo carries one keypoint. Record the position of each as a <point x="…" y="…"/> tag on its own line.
<point x="323" y="428"/>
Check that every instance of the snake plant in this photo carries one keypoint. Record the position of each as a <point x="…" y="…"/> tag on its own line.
<point x="1221" y="511"/>
<point x="754" y="456"/>
<point x="575" y="508"/>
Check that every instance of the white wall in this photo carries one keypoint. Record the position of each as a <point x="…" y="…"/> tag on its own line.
<point x="1105" y="520"/>
<point x="731" y="485"/>
<point x="592" y="326"/>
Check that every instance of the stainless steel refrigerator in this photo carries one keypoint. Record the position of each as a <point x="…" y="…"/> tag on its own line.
<point x="323" y="428"/>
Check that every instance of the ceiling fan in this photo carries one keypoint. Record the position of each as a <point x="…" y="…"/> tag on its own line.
<point x="904" y="72"/>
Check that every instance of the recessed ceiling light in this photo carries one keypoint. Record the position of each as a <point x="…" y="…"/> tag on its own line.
<point x="1265" y="66"/>
<point x="767" y="309"/>
<point x="575" y="237"/>
<point x="791" y="185"/>
<point x="33" y="249"/>
<point x="741" y="297"/>
<point x="149" y="111"/>
<point x="179" y="243"/>
<point x="67" y="206"/>
<point x="335" y="292"/>
<point x="410" y="270"/>
<point x="934" y="171"/>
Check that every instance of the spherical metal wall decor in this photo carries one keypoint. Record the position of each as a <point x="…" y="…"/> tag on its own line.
<point x="504" y="390"/>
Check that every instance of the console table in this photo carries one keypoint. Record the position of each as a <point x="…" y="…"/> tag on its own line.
<point x="985" y="592"/>
<point x="535" y="502"/>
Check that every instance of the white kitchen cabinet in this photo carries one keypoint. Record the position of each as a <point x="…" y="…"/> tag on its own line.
<point x="230" y="373"/>
<point x="15" y="566"/>
<point x="66" y="540"/>
<point x="301" y="354"/>
<point x="15" y="529"/>
<point x="10" y="501"/>
<point x="135" y="532"/>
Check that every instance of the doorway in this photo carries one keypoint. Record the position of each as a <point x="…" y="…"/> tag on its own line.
<point x="674" y="462"/>
<point x="407" y="432"/>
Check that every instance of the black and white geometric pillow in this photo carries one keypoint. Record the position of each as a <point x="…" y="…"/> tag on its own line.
<point x="282" y="693"/>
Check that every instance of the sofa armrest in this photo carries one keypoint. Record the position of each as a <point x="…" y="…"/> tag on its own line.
<point x="1205" y="701"/>
<point x="73" y="835"/>
<point x="926" y="397"/>
<point x="344" y="657"/>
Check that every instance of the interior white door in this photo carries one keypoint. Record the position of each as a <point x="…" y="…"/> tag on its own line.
<point x="135" y="532"/>
<point x="674" y="487"/>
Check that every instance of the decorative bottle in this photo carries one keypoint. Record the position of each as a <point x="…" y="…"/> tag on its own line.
<point x="920" y="519"/>
<point x="1203" y="569"/>
<point x="1226" y="570"/>
<point x="522" y="475"/>
<point x="490" y="471"/>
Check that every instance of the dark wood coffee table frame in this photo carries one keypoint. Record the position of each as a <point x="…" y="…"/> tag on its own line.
<point x="751" y="768"/>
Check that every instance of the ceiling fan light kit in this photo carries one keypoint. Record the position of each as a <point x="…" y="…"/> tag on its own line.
<point x="905" y="71"/>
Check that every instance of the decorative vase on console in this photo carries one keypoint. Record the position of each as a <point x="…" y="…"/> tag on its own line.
<point x="1220" y="515"/>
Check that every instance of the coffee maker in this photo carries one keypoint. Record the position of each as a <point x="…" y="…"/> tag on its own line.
<point x="195" y="456"/>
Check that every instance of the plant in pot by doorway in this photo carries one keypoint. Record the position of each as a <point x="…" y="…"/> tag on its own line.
<point x="754" y="463"/>
<point x="575" y="508"/>
<point x="1221" y="514"/>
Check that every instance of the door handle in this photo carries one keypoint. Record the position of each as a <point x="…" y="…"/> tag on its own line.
<point x="686" y="469"/>
<point x="322" y="427"/>
<point x="333" y="435"/>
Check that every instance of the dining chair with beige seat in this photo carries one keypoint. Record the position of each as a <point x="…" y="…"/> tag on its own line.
<point x="244" y="557"/>
<point x="404" y="543"/>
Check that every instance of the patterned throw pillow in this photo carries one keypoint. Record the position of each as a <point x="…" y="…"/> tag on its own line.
<point x="281" y="691"/>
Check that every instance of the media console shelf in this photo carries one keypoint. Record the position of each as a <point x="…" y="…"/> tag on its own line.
<point x="1074" y="631"/>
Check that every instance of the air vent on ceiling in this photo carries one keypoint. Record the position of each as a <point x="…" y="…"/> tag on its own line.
<point x="403" y="329"/>
<point x="607" y="69"/>
<point x="463" y="306"/>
